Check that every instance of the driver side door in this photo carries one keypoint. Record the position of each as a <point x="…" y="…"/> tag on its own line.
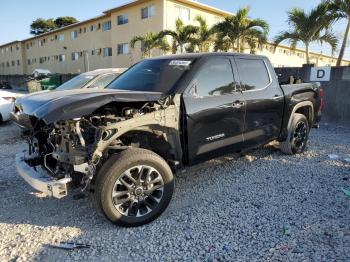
<point x="215" y="109"/>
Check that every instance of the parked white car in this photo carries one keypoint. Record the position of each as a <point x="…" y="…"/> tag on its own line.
<point x="7" y="101"/>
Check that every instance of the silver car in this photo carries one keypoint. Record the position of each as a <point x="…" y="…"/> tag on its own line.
<point x="99" y="78"/>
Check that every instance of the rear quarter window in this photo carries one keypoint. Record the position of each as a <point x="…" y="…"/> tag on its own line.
<point x="253" y="74"/>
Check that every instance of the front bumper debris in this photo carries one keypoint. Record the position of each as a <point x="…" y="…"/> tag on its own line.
<point x="40" y="181"/>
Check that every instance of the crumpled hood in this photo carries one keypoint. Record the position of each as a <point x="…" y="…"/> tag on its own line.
<point x="69" y="104"/>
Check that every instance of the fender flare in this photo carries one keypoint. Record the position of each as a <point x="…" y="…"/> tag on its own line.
<point x="300" y="105"/>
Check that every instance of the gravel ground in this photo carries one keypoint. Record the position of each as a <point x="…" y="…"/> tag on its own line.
<point x="264" y="206"/>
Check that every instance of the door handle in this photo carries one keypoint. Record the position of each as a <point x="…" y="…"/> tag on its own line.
<point x="238" y="104"/>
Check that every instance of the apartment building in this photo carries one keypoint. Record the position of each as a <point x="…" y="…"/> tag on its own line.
<point x="103" y="41"/>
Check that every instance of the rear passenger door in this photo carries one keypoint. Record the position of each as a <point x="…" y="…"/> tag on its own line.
<point x="214" y="108"/>
<point x="264" y="100"/>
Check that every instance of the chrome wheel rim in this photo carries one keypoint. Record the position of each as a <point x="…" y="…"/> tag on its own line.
<point x="300" y="136"/>
<point x="138" y="191"/>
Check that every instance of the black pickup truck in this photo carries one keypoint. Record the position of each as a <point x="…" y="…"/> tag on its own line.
<point x="125" y="142"/>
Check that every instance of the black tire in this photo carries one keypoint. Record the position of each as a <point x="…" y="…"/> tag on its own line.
<point x="298" y="135"/>
<point x="114" y="169"/>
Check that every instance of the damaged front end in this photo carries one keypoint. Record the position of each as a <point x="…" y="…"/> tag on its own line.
<point x="69" y="153"/>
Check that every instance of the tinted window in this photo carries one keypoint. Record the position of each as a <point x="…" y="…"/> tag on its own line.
<point x="215" y="78"/>
<point x="159" y="75"/>
<point x="253" y="74"/>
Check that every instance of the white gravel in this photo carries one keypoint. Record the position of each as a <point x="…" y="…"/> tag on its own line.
<point x="261" y="207"/>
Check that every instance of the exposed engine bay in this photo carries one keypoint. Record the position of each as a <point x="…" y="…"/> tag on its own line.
<point x="78" y="147"/>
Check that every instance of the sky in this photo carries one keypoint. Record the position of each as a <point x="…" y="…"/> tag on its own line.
<point x="17" y="15"/>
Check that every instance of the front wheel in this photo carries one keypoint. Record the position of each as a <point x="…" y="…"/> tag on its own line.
<point x="134" y="187"/>
<point x="298" y="135"/>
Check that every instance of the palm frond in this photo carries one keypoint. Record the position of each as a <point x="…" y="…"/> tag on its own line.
<point x="331" y="39"/>
<point x="136" y="39"/>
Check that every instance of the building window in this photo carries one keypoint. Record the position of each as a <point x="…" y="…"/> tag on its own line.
<point x="183" y="13"/>
<point x="148" y="12"/>
<point x="61" y="37"/>
<point x="92" y="28"/>
<point x="75" y="56"/>
<point x="18" y="63"/>
<point x="98" y="26"/>
<point x="62" y="58"/>
<point x="123" y="19"/>
<point x="74" y="34"/>
<point x="123" y="49"/>
<point x="107" y="51"/>
<point x="84" y="29"/>
<point x="13" y="63"/>
<point x="106" y="26"/>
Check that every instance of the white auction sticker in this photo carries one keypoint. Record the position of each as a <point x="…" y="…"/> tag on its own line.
<point x="180" y="63"/>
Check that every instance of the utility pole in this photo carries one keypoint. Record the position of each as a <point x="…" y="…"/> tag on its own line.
<point x="86" y="61"/>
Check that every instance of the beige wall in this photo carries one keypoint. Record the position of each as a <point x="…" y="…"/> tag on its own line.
<point x="85" y="42"/>
<point x="285" y="57"/>
<point x="172" y="14"/>
<point x="166" y="13"/>
<point x="11" y="59"/>
<point x="135" y="27"/>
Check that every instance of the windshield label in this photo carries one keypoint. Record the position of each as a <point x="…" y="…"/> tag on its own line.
<point x="180" y="63"/>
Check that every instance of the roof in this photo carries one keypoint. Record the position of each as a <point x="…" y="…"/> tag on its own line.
<point x="187" y="2"/>
<point x="67" y="27"/>
<point x="11" y="43"/>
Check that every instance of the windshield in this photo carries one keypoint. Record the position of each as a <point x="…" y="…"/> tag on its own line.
<point x="159" y="75"/>
<point x="76" y="83"/>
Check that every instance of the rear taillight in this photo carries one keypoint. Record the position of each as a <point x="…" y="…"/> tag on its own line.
<point x="321" y="98"/>
<point x="10" y="99"/>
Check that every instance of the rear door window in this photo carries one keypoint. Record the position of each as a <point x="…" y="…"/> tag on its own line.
<point x="253" y="74"/>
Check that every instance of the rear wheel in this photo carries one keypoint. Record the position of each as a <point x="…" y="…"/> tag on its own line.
<point x="298" y="135"/>
<point x="134" y="187"/>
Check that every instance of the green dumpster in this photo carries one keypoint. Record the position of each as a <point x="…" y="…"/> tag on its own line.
<point x="51" y="82"/>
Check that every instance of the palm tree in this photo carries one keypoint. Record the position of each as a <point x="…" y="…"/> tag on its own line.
<point x="241" y="30"/>
<point x="309" y="27"/>
<point x="341" y="9"/>
<point x="149" y="42"/>
<point x="204" y="37"/>
<point x="222" y="43"/>
<point x="183" y="35"/>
